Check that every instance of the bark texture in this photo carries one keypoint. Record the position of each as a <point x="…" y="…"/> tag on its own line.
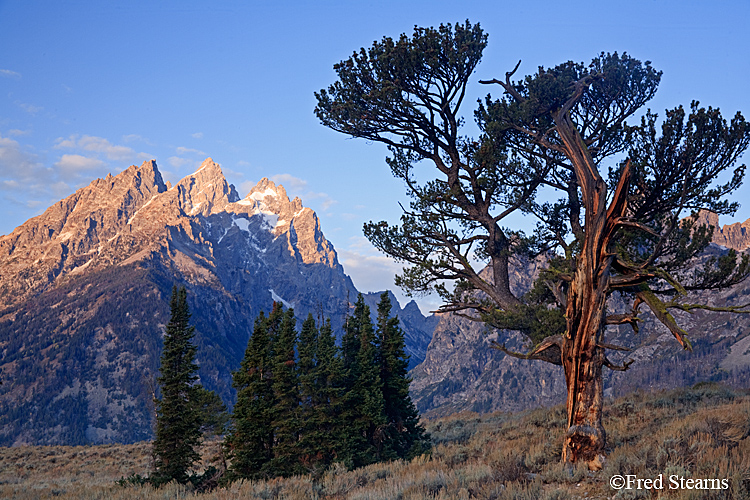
<point x="582" y="353"/>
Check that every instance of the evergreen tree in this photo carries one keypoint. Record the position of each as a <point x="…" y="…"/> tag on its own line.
<point x="363" y="414"/>
<point x="177" y="418"/>
<point x="329" y="400"/>
<point x="404" y="436"/>
<point x="285" y="385"/>
<point x="250" y="442"/>
<point x="310" y="399"/>
<point x="320" y="389"/>
<point x="211" y="410"/>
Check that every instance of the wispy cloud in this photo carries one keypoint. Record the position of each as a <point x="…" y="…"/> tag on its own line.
<point x="290" y="182"/>
<point x="29" y="108"/>
<point x="96" y="145"/>
<point x="189" y="151"/>
<point x="18" y="133"/>
<point x="136" y="138"/>
<point x="7" y="73"/>
<point x="71" y="166"/>
<point x="178" y="162"/>
<point x="370" y="270"/>
<point x="197" y="135"/>
<point x="17" y="164"/>
<point x="298" y="187"/>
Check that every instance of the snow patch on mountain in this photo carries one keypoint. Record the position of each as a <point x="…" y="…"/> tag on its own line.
<point x="276" y="298"/>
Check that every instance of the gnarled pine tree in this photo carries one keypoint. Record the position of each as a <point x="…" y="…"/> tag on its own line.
<point x="629" y="229"/>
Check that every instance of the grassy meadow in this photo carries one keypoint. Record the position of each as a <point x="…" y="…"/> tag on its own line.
<point x="698" y="433"/>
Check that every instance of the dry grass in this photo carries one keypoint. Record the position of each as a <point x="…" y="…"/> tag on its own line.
<point x="693" y="433"/>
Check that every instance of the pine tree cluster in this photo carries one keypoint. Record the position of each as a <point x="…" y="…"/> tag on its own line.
<point x="304" y="403"/>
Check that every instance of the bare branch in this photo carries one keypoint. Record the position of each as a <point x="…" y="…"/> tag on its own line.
<point x="660" y="311"/>
<point x="612" y="347"/>
<point x="549" y="350"/>
<point x="690" y="307"/>
<point x="507" y="85"/>
<point x="619" y="368"/>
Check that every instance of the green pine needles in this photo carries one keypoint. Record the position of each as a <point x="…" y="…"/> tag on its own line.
<point x="177" y="419"/>
<point x="303" y="403"/>
<point x="186" y="410"/>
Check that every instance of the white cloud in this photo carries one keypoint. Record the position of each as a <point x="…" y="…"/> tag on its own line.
<point x="18" y="133"/>
<point x="298" y="187"/>
<point x="290" y="182"/>
<point x="29" y="108"/>
<point x="197" y="135"/>
<point x="101" y="145"/>
<point x="60" y="189"/>
<point x="327" y="201"/>
<point x="178" y="162"/>
<point x="245" y="187"/>
<point x="185" y="151"/>
<point x="136" y="138"/>
<point x="370" y="273"/>
<point x="72" y="165"/>
<point x="61" y="143"/>
<point x="10" y="74"/>
<point x="96" y="145"/>
<point x="17" y="164"/>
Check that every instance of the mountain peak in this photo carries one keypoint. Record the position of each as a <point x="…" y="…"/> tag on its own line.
<point x="265" y="188"/>
<point x="206" y="190"/>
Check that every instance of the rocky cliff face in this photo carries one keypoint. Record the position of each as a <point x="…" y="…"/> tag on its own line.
<point x="85" y="287"/>
<point x="736" y="236"/>
<point x="462" y="372"/>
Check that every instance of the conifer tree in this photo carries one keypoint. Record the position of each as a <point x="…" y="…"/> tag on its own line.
<point x="311" y="403"/>
<point x="285" y="421"/>
<point x="404" y="436"/>
<point x="363" y="410"/>
<point x="177" y="418"/>
<point x="250" y="442"/>
<point x="328" y="399"/>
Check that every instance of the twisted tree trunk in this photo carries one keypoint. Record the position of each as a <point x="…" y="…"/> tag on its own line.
<point x="582" y="361"/>
<point x="582" y="352"/>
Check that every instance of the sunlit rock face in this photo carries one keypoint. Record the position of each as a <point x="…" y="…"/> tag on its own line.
<point x="85" y="288"/>
<point x="736" y="236"/>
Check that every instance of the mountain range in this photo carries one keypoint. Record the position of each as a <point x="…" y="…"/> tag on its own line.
<point x="84" y="299"/>
<point x="85" y="288"/>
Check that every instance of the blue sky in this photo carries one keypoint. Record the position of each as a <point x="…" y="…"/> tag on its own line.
<point x="91" y="87"/>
